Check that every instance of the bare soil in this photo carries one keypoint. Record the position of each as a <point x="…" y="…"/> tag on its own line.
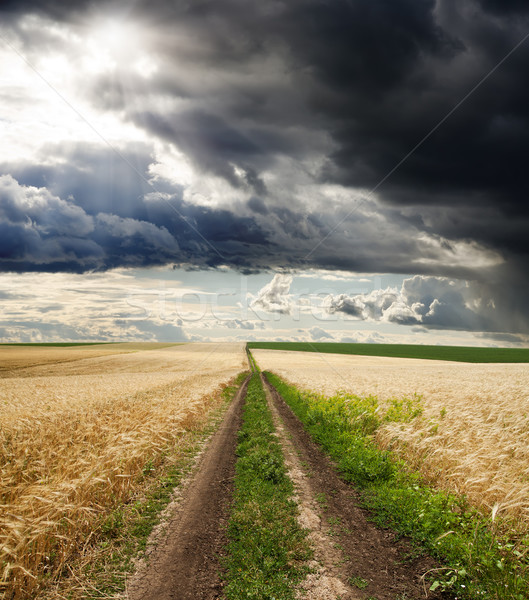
<point x="186" y="563"/>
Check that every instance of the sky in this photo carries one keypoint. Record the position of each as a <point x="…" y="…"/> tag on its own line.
<point x="319" y="170"/>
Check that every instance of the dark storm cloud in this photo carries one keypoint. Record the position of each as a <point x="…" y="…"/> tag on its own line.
<point x="48" y="230"/>
<point x="41" y="232"/>
<point x="478" y="157"/>
<point x="60" y="9"/>
<point x="344" y="89"/>
<point x="443" y="303"/>
<point x="365" y="48"/>
<point x="257" y="205"/>
<point x="503" y="7"/>
<point x="376" y="77"/>
<point x="212" y="144"/>
<point x="510" y="338"/>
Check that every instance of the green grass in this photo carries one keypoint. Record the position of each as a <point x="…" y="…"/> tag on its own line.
<point x="456" y="353"/>
<point x="125" y="532"/>
<point x="253" y="365"/>
<point x="267" y="548"/>
<point x="478" y="560"/>
<point x="359" y="582"/>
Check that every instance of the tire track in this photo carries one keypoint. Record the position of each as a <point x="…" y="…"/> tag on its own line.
<point x="327" y="582"/>
<point x="185" y="564"/>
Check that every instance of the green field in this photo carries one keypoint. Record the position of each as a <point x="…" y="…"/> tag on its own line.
<point x="456" y="353"/>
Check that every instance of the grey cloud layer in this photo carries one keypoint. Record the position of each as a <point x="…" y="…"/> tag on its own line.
<point x="44" y="232"/>
<point x="344" y="91"/>
<point x="433" y="302"/>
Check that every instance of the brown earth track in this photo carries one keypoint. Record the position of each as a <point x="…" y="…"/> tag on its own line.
<point x="388" y="564"/>
<point x="185" y="564"/>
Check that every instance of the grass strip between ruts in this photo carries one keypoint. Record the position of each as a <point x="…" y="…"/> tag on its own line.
<point x="267" y="549"/>
<point x="479" y="559"/>
<point x="254" y="367"/>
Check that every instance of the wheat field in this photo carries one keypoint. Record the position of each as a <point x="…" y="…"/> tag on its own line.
<point x="473" y="436"/>
<point x="77" y="426"/>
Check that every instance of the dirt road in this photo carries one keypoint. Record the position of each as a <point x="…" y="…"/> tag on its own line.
<point x="353" y="559"/>
<point x="185" y="564"/>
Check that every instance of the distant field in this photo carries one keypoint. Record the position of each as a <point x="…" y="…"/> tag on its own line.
<point x="455" y="353"/>
<point x="30" y="360"/>
<point x="141" y="345"/>
<point x="57" y="344"/>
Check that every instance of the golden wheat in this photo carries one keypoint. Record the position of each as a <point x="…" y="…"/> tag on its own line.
<point x="30" y="361"/>
<point x="473" y="436"/>
<point x="72" y="447"/>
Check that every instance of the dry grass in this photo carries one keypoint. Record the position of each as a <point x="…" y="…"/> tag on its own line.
<point x="473" y="436"/>
<point x="73" y="447"/>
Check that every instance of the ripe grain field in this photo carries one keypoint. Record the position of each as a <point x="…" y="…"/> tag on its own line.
<point x="472" y="437"/>
<point x="77" y="428"/>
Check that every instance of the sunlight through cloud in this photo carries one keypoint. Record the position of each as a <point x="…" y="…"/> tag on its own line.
<point x="116" y="44"/>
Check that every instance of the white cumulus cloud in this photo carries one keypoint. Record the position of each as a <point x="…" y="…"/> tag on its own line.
<point x="274" y="297"/>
